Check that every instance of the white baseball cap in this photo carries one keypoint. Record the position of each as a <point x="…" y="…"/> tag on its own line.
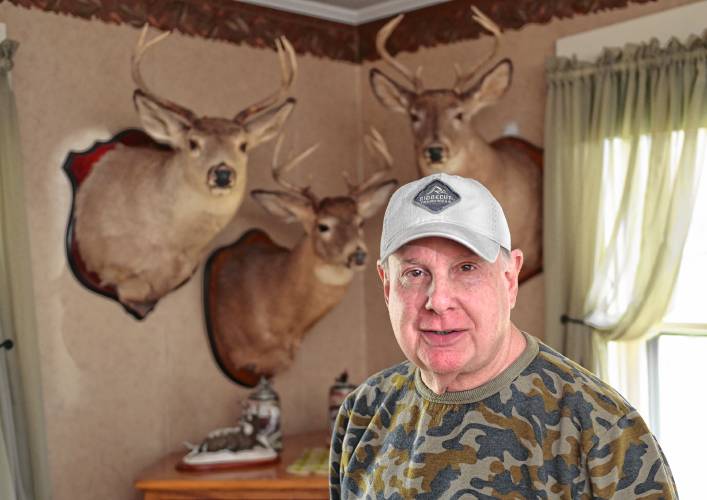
<point x="448" y="206"/>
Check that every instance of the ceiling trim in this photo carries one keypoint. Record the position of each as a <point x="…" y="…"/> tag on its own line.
<point x="342" y="14"/>
<point x="257" y="26"/>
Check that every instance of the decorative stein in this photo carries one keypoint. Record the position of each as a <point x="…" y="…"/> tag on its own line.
<point x="337" y="393"/>
<point x="264" y="405"/>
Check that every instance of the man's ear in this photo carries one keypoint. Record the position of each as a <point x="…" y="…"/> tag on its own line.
<point x="513" y="266"/>
<point x="385" y="280"/>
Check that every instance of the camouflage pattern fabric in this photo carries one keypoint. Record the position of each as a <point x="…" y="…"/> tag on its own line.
<point x="544" y="428"/>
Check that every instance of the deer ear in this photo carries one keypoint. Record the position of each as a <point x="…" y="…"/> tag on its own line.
<point x="284" y="205"/>
<point x="267" y="125"/>
<point x="389" y="92"/>
<point x="373" y="198"/>
<point x="160" y="122"/>
<point x="492" y="86"/>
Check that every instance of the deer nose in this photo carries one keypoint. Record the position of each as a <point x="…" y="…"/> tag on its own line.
<point x="358" y="258"/>
<point x="435" y="153"/>
<point x="221" y="175"/>
<point x="223" y="178"/>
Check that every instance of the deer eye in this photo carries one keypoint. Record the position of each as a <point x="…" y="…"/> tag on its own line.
<point x="243" y="147"/>
<point x="323" y="228"/>
<point x="414" y="117"/>
<point x="459" y="116"/>
<point x="194" y="145"/>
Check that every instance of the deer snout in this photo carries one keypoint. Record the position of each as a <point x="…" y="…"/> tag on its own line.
<point x="221" y="176"/>
<point x="435" y="153"/>
<point x="358" y="257"/>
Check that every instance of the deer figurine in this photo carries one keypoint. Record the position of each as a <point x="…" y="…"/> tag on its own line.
<point x="144" y="217"/>
<point x="446" y="140"/>
<point x="261" y="298"/>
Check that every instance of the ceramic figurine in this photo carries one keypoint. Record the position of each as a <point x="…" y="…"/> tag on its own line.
<point x="231" y="447"/>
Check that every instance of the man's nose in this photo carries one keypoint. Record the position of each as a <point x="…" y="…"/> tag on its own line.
<point x="440" y="296"/>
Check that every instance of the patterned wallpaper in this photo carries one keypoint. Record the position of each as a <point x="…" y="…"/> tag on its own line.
<point x="239" y="23"/>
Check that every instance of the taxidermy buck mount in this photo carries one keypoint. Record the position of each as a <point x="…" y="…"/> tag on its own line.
<point x="446" y="140"/>
<point x="260" y="298"/>
<point x="144" y="216"/>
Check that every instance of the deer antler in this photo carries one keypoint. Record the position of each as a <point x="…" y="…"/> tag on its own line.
<point x="381" y="39"/>
<point x="375" y="144"/>
<point x="288" y="66"/>
<point x="462" y="78"/>
<point x="139" y="50"/>
<point x="279" y="170"/>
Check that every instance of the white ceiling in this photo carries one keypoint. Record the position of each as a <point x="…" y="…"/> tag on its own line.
<point x="352" y="12"/>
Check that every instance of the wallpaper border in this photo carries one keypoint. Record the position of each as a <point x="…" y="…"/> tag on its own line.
<point x="242" y="23"/>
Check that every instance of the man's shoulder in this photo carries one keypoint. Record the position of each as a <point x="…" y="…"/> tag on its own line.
<point x="389" y="384"/>
<point x="563" y="377"/>
<point x="391" y="376"/>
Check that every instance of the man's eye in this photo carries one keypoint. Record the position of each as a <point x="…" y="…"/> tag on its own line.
<point x="467" y="267"/>
<point x="414" y="273"/>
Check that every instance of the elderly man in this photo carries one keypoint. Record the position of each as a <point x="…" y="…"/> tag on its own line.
<point x="480" y="409"/>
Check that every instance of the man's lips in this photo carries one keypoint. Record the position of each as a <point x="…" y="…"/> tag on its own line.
<point x="441" y="332"/>
<point x="441" y="337"/>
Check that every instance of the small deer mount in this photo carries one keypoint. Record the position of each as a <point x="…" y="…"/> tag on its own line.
<point x="445" y="138"/>
<point x="146" y="208"/>
<point x="260" y="298"/>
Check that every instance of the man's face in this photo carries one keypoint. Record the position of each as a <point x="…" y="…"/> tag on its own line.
<point x="449" y="308"/>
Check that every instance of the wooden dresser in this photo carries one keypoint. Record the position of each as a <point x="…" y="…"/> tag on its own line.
<point x="163" y="482"/>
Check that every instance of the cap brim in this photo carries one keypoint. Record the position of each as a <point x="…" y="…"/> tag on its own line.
<point x="482" y="245"/>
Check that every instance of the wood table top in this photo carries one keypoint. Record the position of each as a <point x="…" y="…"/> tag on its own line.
<point x="164" y="476"/>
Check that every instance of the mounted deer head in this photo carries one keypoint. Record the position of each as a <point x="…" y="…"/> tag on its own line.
<point x="261" y="298"/>
<point x="145" y="216"/>
<point x="213" y="151"/>
<point x="333" y="224"/>
<point x="445" y="139"/>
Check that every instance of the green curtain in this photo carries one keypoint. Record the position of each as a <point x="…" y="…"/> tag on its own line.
<point x="623" y="160"/>
<point x="23" y="462"/>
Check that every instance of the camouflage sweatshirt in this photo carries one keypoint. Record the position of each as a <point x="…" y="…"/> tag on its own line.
<point x="544" y="428"/>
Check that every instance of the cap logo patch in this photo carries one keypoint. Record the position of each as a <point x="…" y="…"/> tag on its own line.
<point x="436" y="196"/>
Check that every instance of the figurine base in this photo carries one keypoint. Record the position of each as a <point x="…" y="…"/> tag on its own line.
<point x="225" y="460"/>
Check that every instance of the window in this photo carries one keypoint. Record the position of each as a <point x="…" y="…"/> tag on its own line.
<point x="617" y="294"/>
<point x="654" y="375"/>
<point x="688" y="303"/>
<point x="663" y="377"/>
<point x="676" y="373"/>
<point x="676" y="366"/>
